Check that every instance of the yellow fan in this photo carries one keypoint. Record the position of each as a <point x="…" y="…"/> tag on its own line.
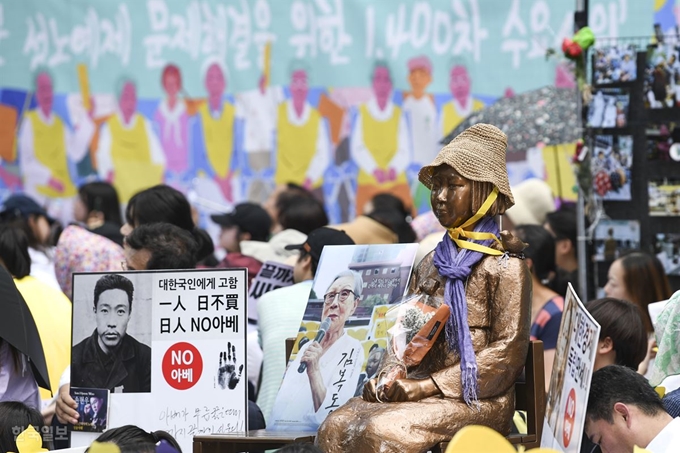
<point x="482" y="439"/>
<point x="30" y="441"/>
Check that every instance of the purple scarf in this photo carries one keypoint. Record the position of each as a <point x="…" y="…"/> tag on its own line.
<point x="456" y="265"/>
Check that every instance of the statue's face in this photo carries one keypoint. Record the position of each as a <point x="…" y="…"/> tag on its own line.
<point x="451" y="196"/>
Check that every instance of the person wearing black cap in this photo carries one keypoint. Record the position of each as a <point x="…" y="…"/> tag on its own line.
<point x="280" y="311"/>
<point x="247" y="222"/>
<point x="24" y="213"/>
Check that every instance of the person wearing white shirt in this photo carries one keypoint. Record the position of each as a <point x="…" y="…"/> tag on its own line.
<point x="625" y="411"/>
<point x="379" y="143"/>
<point x="47" y="147"/>
<point x="258" y="109"/>
<point x="129" y="154"/>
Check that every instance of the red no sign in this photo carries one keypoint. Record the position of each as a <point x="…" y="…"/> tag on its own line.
<point x="569" y="418"/>
<point x="182" y="366"/>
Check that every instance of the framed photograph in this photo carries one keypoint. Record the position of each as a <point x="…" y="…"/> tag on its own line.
<point x="611" y="166"/>
<point x="667" y="248"/>
<point x="614" y="64"/>
<point x="663" y="141"/>
<point x="615" y="237"/>
<point x="609" y="108"/>
<point x="662" y="77"/>
<point x="342" y="337"/>
<point x="664" y="198"/>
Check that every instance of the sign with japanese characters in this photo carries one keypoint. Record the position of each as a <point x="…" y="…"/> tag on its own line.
<point x="272" y="276"/>
<point x="336" y="351"/>
<point x="169" y="346"/>
<point x="565" y="415"/>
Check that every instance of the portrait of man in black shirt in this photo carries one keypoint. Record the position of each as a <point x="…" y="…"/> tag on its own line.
<point x="110" y="358"/>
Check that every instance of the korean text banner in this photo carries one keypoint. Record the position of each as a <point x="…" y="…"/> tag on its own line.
<point x="504" y="41"/>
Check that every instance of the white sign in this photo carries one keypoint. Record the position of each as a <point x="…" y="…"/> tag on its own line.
<point x="170" y="346"/>
<point x="272" y="276"/>
<point x="330" y="360"/>
<point x="565" y="414"/>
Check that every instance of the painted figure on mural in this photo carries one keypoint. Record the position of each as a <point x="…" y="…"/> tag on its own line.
<point x="302" y="138"/>
<point x="258" y="109"/>
<point x="129" y="154"/>
<point x="462" y="104"/>
<point x="213" y="131"/>
<point x="422" y="111"/>
<point x="379" y="142"/>
<point x="47" y="146"/>
<point x="172" y="120"/>
<point x="468" y="376"/>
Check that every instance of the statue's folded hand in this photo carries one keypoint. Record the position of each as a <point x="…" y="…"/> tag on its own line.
<point x="411" y="390"/>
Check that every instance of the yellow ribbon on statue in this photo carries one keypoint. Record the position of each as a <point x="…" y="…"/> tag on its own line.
<point x="462" y="232"/>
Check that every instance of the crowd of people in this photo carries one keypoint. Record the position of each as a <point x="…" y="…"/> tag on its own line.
<point x="158" y="231"/>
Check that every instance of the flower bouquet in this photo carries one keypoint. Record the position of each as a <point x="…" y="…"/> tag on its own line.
<point x="415" y="329"/>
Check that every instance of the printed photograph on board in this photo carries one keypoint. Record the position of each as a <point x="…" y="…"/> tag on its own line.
<point x="667" y="249"/>
<point x="662" y="77"/>
<point x="664" y="198"/>
<point x="615" y="63"/>
<point x="615" y="237"/>
<point x="337" y="349"/>
<point x="609" y="108"/>
<point x="611" y="166"/>
<point x="112" y="332"/>
<point x="663" y="141"/>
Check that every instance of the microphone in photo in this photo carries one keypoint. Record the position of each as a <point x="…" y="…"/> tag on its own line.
<point x="319" y="336"/>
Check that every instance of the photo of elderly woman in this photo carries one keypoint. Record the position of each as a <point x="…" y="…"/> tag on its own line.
<point x="333" y="351"/>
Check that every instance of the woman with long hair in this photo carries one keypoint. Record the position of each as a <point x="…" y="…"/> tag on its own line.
<point x="546" y="305"/>
<point x="98" y="208"/>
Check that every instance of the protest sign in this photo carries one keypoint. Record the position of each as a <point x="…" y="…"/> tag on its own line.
<point x="272" y="276"/>
<point x="342" y="354"/>
<point x="565" y="414"/>
<point x="169" y="346"/>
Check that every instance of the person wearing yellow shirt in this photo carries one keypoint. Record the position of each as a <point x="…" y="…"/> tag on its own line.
<point x="213" y="143"/>
<point x="302" y="141"/>
<point x="47" y="146"/>
<point x="462" y="104"/>
<point x="379" y="143"/>
<point x="129" y="154"/>
<point x="51" y="309"/>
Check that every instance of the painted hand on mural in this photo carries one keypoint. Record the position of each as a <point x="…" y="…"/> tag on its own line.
<point x="226" y="373"/>
<point x="56" y="184"/>
<point x="225" y="185"/>
<point x="380" y="176"/>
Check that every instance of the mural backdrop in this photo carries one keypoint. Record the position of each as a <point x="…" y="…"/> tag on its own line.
<point x="225" y="99"/>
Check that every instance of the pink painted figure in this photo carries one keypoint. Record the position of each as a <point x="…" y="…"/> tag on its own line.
<point x="462" y="104"/>
<point x="172" y="119"/>
<point x="302" y="139"/>
<point x="380" y="143"/>
<point x="213" y="142"/>
<point x="299" y="90"/>
<point x="129" y="154"/>
<point x="46" y="146"/>
<point x="460" y="85"/>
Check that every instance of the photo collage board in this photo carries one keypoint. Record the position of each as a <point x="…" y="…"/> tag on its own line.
<point x="633" y="129"/>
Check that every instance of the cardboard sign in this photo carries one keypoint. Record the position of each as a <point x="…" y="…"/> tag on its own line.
<point x="565" y="414"/>
<point x="350" y="285"/>
<point x="169" y="346"/>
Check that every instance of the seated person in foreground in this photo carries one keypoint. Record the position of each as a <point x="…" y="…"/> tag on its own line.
<point x="468" y="376"/>
<point x="625" y="411"/>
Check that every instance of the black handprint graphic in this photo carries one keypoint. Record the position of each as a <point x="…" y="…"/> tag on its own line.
<point x="226" y="373"/>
